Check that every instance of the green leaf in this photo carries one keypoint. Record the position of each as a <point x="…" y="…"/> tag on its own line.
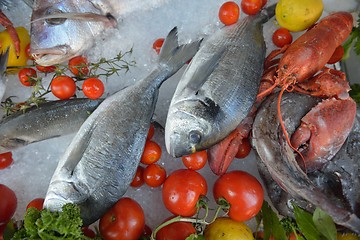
<point x="271" y="223"/>
<point x="306" y="224"/>
<point x="355" y="92"/>
<point x="324" y="224"/>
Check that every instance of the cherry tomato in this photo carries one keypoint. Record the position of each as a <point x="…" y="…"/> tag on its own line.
<point x="229" y="13"/>
<point x="138" y="180"/>
<point x="263" y="3"/>
<point x="182" y="190"/>
<point x="158" y="44"/>
<point x="244" y="149"/>
<point x="93" y="88"/>
<point x="88" y="232"/>
<point x="243" y="192"/>
<point x="251" y="7"/>
<point x="152" y="152"/>
<point x="176" y="231"/>
<point x="125" y="220"/>
<point x="281" y="37"/>
<point x="79" y="66"/>
<point x="151" y="132"/>
<point x="25" y="76"/>
<point x="63" y="87"/>
<point x="195" y="161"/>
<point x="337" y="55"/>
<point x="154" y="175"/>
<point x="5" y="160"/>
<point x="146" y="232"/>
<point x="46" y="69"/>
<point x="8" y="204"/>
<point x="37" y="203"/>
<point x="28" y="53"/>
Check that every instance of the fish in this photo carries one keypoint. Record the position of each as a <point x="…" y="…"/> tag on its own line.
<point x="61" y="30"/>
<point x="218" y="88"/>
<point x="331" y="188"/>
<point x="3" y="63"/>
<point x="100" y="162"/>
<point x="48" y="120"/>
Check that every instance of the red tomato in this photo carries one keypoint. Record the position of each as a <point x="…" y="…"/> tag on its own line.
<point x="138" y="180"/>
<point x="244" y="149"/>
<point x="79" y="66"/>
<point x="151" y="132"/>
<point x="152" y="152"/>
<point x="243" y="192"/>
<point x="93" y="88"/>
<point x="37" y="203"/>
<point x="281" y="37"/>
<point x="158" y="44"/>
<point x="176" y="231"/>
<point x="337" y="55"/>
<point x="27" y="51"/>
<point x="25" y="76"/>
<point x="229" y="13"/>
<point x="251" y="7"/>
<point x="88" y="232"/>
<point x="8" y="204"/>
<point x="46" y="69"/>
<point x="125" y="220"/>
<point x="195" y="161"/>
<point x="63" y="87"/>
<point x="182" y="190"/>
<point x="5" y="160"/>
<point x="263" y="3"/>
<point x="154" y="175"/>
<point x="146" y="232"/>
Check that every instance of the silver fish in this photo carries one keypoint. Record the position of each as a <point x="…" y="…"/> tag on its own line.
<point x="61" y="29"/>
<point x="3" y="64"/>
<point x="279" y="162"/>
<point x="101" y="161"/>
<point x="218" y="88"/>
<point x="49" y="120"/>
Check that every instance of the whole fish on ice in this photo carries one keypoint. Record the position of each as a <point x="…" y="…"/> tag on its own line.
<point x="102" y="159"/>
<point x="3" y="63"/>
<point x="62" y="29"/>
<point x="218" y="88"/>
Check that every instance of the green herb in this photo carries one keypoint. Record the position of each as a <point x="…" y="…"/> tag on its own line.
<point x="271" y="223"/>
<point x="355" y="92"/>
<point x="324" y="224"/>
<point x="353" y="41"/>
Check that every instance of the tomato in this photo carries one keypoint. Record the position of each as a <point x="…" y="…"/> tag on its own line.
<point x="229" y="13"/>
<point x="88" y="232"/>
<point x="263" y="3"/>
<point x="5" y="160"/>
<point x="146" y="232"/>
<point x="176" y="231"/>
<point x="224" y="228"/>
<point x="337" y="55"/>
<point x="251" y="7"/>
<point x="138" y="180"/>
<point x="125" y="220"/>
<point x="93" y="88"/>
<point x="158" y="44"/>
<point x="154" y="175"/>
<point x="8" y="204"/>
<point x="79" y="66"/>
<point x="46" y="69"/>
<point x="182" y="190"/>
<point x="196" y="160"/>
<point x="243" y="192"/>
<point x="26" y="76"/>
<point x="244" y="149"/>
<point x="63" y="87"/>
<point x="152" y="152"/>
<point x="37" y="203"/>
<point x="151" y="132"/>
<point x="281" y="37"/>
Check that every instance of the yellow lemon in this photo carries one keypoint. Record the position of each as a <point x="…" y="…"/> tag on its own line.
<point x="6" y="41"/>
<point x="227" y="229"/>
<point x="347" y="236"/>
<point x="298" y="15"/>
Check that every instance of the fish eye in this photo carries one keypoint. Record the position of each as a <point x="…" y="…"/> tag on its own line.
<point x="54" y="21"/>
<point x="194" y="136"/>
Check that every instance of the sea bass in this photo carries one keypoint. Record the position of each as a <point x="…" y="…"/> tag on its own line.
<point x="218" y="88"/>
<point x="102" y="159"/>
<point x="49" y="120"/>
<point x="3" y="64"/>
<point x="61" y="29"/>
<point x="334" y="188"/>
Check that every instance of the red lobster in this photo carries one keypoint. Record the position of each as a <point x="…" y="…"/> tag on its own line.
<point x="4" y="21"/>
<point x="325" y="128"/>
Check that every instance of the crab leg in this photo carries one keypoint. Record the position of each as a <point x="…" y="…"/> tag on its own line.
<point x="4" y="21"/>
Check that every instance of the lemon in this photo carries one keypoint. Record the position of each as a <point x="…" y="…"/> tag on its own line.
<point x="298" y="15"/>
<point x="227" y="229"/>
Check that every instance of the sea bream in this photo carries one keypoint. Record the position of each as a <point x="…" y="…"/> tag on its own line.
<point x="62" y="29"/>
<point x="3" y="63"/>
<point x="219" y="87"/>
<point x="99" y="164"/>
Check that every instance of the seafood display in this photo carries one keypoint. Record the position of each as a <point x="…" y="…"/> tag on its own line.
<point x="3" y="61"/>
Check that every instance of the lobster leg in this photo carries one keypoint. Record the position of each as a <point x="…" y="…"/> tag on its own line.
<point x="4" y="21"/>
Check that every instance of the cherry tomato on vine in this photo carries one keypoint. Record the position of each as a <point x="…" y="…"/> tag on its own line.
<point x="152" y="153"/>
<point x="5" y="160"/>
<point x="229" y="13"/>
<point x="37" y="203"/>
<point x="8" y="204"/>
<point x="93" y="88"/>
<point x="158" y="44"/>
<point x="281" y="37"/>
<point x="151" y="132"/>
<point x="146" y="232"/>
<point x="63" y="87"/>
<point x="79" y="66"/>
<point x="176" y="231"/>
<point x="125" y="220"/>
<point x="154" y="175"/>
<point x="263" y="3"/>
<point x="251" y="7"/>
<point x="245" y="199"/>
<point x="138" y="180"/>
<point x="337" y="55"/>
<point x="182" y="190"/>
<point x="244" y="149"/>
<point x="196" y="160"/>
<point x="46" y="69"/>
<point x="25" y="75"/>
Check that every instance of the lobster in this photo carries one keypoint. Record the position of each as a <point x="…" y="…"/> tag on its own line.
<point x="325" y="128"/>
<point x="4" y="21"/>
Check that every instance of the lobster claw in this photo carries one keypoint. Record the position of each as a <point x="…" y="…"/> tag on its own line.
<point x="4" y="21"/>
<point x="323" y="131"/>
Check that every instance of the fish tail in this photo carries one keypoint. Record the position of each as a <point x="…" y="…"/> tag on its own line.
<point x="268" y="13"/>
<point x="3" y="61"/>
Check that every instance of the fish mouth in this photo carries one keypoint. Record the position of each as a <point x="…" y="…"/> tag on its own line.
<point x="50" y="56"/>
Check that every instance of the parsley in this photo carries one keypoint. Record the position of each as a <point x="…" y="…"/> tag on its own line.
<point x="353" y="40"/>
<point x="355" y="92"/>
